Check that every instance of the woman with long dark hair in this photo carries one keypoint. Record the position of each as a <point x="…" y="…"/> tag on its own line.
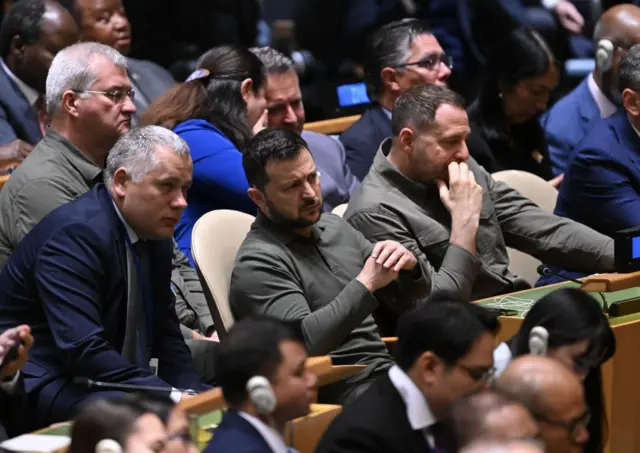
<point x="505" y="131"/>
<point x="215" y="111"/>
<point x="569" y="325"/>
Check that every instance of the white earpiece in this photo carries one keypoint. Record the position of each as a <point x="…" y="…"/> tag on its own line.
<point x="108" y="446"/>
<point x="538" y="341"/>
<point x="604" y="54"/>
<point x="261" y="394"/>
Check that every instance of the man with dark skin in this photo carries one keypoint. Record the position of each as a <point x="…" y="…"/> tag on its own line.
<point x="554" y="396"/>
<point x="32" y="33"/>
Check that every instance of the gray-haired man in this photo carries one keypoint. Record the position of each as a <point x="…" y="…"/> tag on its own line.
<point x="89" y="101"/>
<point x="91" y="279"/>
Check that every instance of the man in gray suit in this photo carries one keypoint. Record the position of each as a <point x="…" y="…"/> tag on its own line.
<point x="286" y="110"/>
<point x="106" y="22"/>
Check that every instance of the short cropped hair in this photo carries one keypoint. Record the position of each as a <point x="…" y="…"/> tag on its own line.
<point x="22" y="19"/>
<point x="136" y="151"/>
<point x="630" y="69"/>
<point x="447" y="328"/>
<point x="252" y="348"/>
<point x="274" y="62"/>
<point x="73" y="69"/>
<point x="269" y="145"/>
<point x="389" y="46"/>
<point x="416" y="108"/>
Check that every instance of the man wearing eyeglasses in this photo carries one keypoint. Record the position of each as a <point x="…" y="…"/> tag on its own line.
<point x="555" y="398"/>
<point x="400" y="55"/>
<point x="443" y="353"/>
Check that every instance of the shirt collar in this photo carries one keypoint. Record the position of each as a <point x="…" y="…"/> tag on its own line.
<point x="286" y="235"/>
<point x="133" y="237"/>
<point x="418" y="411"/>
<point x="270" y="436"/>
<point x="79" y="160"/>
<point x="605" y="106"/>
<point x="501" y="357"/>
<point x="416" y="191"/>
<point x="29" y="93"/>
<point x="386" y="111"/>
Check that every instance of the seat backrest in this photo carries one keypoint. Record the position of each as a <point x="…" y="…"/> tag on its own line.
<point x="332" y="126"/>
<point x="215" y="241"/>
<point x="531" y="186"/>
<point x="340" y="209"/>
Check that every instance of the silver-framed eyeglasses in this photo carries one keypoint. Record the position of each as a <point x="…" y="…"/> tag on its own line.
<point x="117" y="96"/>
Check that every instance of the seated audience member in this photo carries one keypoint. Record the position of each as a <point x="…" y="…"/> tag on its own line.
<point x="489" y="415"/>
<point x="69" y="161"/>
<point x="399" y="55"/>
<point x="285" y="109"/>
<point x="11" y="384"/>
<point x="425" y="192"/>
<point x="214" y="111"/>
<point x="602" y="188"/>
<point x="514" y="446"/>
<point x="505" y="131"/>
<point x="32" y="32"/>
<point x="96" y="311"/>
<point x="261" y="369"/>
<point x="106" y="22"/>
<point x="301" y="265"/>
<point x="554" y="396"/>
<point x="569" y="119"/>
<point x="444" y="352"/>
<point x="578" y="335"/>
<point x="124" y="424"/>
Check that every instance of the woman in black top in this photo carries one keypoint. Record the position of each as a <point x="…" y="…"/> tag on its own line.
<point x="505" y="132"/>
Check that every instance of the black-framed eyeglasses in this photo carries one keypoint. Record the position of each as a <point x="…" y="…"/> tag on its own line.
<point x="117" y="96"/>
<point x="478" y="373"/>
<point x="185" y="437"/>
<point x="430" y="62"/>
<point x="573" y="427"/>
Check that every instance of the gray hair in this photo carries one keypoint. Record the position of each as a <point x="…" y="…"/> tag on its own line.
<point x="390" y="46"/>
<point x="630" y="70"/>
<point x="73" y="68"/>
<point x="136" y="152"/>
<point x="274" y="62"/>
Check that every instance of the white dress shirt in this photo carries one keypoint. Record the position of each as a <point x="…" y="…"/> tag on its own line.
<point x="270" y="435"/>
<point x="606" y="107"/>
<point x="501" y="358"/>
<point x="29" y="93"/>
<point x="418" y="411"/>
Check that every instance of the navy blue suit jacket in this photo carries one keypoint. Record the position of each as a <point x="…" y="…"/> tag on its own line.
<point x="567" y="122"/>
<point x="235" y="434"/>
<point x="68" y="280"/>
<point x="18" y="120"/>
<point x="601" y="186"/>
<point x="362" y="140"/>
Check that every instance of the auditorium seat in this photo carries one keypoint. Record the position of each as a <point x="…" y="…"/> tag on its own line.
<point x="332" y="126"/>
<point x="340" y="209"/>
<point x="541" y="193"/>
<point x="215" y="241"/>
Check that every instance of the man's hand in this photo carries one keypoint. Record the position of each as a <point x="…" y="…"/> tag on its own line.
<point x="463" y="200"/>
<point x="382" y="267"/>
<point x="198" y="336"/>
<point x="555" y="182"/>
<point x="262" y="122"/>
<point x="569" y="16"/>
<point x="7" y="340"/>
<point x="14" y="152"/>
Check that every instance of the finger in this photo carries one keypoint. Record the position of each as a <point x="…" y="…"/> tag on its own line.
<point x="403" y="261"/>
<point x="393" y="258"/>
<point x="28" y="341"/>
<point x="385" y="253"/>
<point x="454" y="172"/>
<point x="443" y="190"/>
<point x="376" y="249"/>
<point x="471" y="177"/>
<point x="464" y="171"/>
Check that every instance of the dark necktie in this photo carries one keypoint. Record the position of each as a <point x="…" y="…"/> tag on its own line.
<point x="141" y="307"/>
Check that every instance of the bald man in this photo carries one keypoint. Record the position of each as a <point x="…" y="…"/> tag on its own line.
<point x="490" y="415"/>
<point x="554" y="396"/>
<point x="567" y="122"/>
<point x="515" y="446"/>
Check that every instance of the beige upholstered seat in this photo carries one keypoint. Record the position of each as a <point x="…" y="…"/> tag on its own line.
<point x="340" y="209"/>
<point x="215" y="241"/>
<point x="541" y="193"/>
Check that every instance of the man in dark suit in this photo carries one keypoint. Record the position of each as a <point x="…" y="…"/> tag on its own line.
<point x="261" y="369"/>
<point x="92" y="281"/>
<point x="570" y="119"/>
<point x="444" y="352"/>
<point x="399" y="55"/>
<point x="106" y="22"/>
<point x="32" y="32"/>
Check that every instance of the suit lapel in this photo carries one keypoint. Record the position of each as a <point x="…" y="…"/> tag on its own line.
<point x="588" y="107"/>
<point x="628" y="137"/>
<point x="20" y="109"/>
<point x="382" y="123"/>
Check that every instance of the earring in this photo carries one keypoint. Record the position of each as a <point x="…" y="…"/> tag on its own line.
<point x="500" y="94"/>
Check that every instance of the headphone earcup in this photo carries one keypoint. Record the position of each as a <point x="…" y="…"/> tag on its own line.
<point x="108" y="446"/>
<point x="538" y="341"/>
<point x="604" y="54"/>
<point x="261" y="394"/>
